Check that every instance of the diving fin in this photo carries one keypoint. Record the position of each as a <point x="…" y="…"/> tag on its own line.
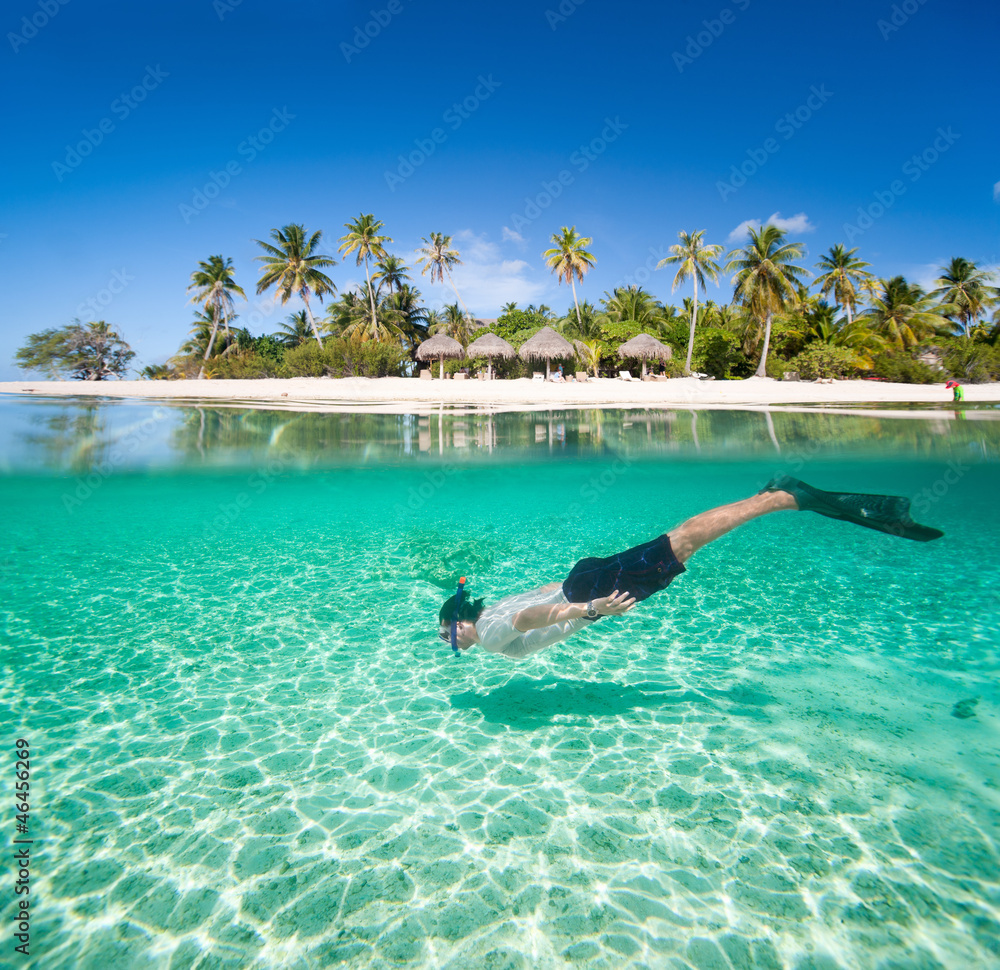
<point x="885" y="513"/>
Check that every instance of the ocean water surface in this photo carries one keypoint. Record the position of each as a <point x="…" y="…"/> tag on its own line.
<point x="250" y="750"/>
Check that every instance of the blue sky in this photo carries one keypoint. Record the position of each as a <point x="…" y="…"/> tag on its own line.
<point x="142" y="138"/>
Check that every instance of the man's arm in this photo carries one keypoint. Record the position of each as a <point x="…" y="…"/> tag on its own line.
<point x="536" y="617"/>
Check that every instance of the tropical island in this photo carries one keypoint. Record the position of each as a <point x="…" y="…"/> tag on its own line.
<point x="783" y="320"/>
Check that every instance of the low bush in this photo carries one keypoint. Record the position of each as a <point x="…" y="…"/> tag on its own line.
<point x="972" y="362"/>
<point x="716" y="352"/>
<point x="823" y="361"/>
<point x="901" y="366"/>
<point x="345" y="358"/>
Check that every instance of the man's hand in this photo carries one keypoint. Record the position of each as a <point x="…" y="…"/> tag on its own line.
<point x="615" y="604"/>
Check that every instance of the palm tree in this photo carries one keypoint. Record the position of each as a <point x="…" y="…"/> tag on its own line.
<point x="438" y="258"/>
<point x="363" y="237"/>
<point x="508" y="308"/>
<point x="295" y="268"/>
<point x="635" y="304"/>
<point x="904" y="314"/>
<point x="390" y="270"/>
<point x="214" y="286"/>
<point x="364" y="322"/>
<point x="590" y="352"/>
<point x="569" y="260"/>
<point x="295" y="331"/>
<point x="845" y="274"/>
<point x="765" y="278"/>
<point x="967" y="289"/>
<point x="696" y="260"/>
<point x="454" y="324"/>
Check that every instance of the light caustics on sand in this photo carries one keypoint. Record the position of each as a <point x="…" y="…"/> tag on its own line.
<point x="258" y="752"/>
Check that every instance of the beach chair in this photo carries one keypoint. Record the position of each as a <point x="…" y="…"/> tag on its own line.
<point x="537" y="376"/>
<point x="581" y="376"/>
<point x="426" y="375"/>
<point x="625" y="375"/>
<point x="460" y="376"/>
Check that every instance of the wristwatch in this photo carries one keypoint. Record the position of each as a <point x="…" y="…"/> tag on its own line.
<point x="592" y="614"/>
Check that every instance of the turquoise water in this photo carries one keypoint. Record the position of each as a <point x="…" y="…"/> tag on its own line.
<point x="252" y="751"/>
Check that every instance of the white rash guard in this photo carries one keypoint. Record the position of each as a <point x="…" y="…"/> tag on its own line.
<point x="497" y="634"/>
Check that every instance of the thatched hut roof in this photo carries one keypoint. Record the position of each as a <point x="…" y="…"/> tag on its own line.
<point x="440" y="345"/>
<point x="545" y="345"/>
<point x="490" y="345"/>
<point x="645" y="347"/>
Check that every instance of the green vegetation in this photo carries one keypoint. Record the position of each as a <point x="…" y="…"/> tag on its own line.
<point x="80" y="351"/>
<point x="889" y="329"/>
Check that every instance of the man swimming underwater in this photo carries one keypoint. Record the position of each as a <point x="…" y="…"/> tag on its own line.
<point x="523" y="624"/>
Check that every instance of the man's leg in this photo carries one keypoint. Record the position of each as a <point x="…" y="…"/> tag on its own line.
<point x="687" y="538"/>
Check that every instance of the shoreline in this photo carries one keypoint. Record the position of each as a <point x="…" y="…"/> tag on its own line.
<point x="345" y="393"/>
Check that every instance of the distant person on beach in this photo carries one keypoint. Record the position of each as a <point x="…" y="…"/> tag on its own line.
<point x="957" y="394"/>
<point x="523" y="624"/>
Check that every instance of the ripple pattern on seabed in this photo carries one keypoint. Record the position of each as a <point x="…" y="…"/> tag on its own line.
<point x="255" y="754"/>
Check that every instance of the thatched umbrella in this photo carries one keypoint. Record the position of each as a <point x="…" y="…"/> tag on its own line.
<point x="546" y="344"/>
<point x="439" y="347"/>
<point x="489" y="345"/>
<point x="645" y="347"/>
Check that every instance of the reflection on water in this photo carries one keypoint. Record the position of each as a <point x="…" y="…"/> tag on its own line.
<point x="111" y="436"/>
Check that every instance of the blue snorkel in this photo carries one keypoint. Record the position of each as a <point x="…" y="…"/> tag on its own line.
<point x="459" y="596"/>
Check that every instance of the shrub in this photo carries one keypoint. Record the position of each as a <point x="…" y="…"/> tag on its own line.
<point x="307" y="360"/>
<point x="972" y="362"/>
<point x="902" y="367"/>
<point x="372" y="358"/>
<point x="823" y="361"/>
<point x="245" y="366"/>
<point x="716" y="352"/>
<point x="345" y="358"/>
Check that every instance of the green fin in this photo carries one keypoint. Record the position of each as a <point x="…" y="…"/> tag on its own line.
<point x="884" y="513"/>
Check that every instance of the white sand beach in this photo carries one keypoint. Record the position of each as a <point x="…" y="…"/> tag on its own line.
<point x="520" y="394"/>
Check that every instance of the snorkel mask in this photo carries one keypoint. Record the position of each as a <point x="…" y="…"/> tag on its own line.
<point x="459" y="597"/>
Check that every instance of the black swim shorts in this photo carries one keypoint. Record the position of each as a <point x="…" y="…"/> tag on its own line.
<point x="640" y="572"/>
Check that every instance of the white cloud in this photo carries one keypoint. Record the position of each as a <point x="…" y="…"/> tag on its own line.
<point x="739" y="233"/>
<point x="793" y="225"/>
<point x="996" y="193"/>
<point x="485" y="279"/>
<point x="797" y="223"/>
<point x="510" y="236"/>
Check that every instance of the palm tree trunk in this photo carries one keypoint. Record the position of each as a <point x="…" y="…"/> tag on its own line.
<point x="457" y="296"/>
<point x="850" y="316"/>
<point x="579" y="321"/>
<point x="762" y="366"/>
<point x="208" y="350"/>
<point x="371" y="297"/>
<point x="694" y="320"/>
<point x="305" y="300"/>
